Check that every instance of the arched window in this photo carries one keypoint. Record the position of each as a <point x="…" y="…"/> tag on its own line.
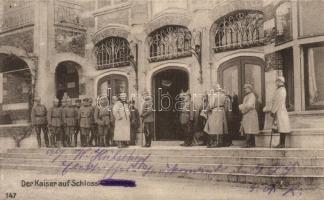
<point x="283" y="22"/>
<point x="169" y="42"/>
<point x="241" y="29"/>
<point x="112" y="52"/>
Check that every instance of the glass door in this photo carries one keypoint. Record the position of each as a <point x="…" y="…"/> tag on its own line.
<point x="233" y="74"/>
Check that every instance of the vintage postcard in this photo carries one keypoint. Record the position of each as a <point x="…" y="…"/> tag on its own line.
<point x="162" y="99"/>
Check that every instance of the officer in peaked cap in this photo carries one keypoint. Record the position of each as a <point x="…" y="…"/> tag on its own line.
<point x="85" y="119"/>
<point x="70" y="116"/>
<point x="39" y="122"/>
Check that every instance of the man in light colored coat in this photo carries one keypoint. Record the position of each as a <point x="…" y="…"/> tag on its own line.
<point x="279" y="111"/>
<point x="121" y="114"/>
<point x="216" y="125"/>
<point x="250" y="121"/>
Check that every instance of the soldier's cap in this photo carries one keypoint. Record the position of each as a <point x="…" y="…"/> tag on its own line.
<point x="55" y="100"/>
<point x="217" y="87"/>
<point x="248" y="85"/>
<point x="77" y="101"/>
<point x="145" y="93"/>
<point x="123" y="94"/>
<point x="281" y="79"/>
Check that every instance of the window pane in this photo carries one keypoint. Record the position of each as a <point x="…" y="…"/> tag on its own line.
<point x="230" y="80"/>
<point x="252" y="75"/>
<point x="283" y="22"/>
<point x="311" y="16"/>
<point x="316" y="76"/>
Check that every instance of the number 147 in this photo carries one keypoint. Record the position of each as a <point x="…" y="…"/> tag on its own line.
<point x="10" y="195"/>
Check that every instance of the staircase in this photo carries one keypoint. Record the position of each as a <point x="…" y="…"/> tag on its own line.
<point x="283" y="167"/>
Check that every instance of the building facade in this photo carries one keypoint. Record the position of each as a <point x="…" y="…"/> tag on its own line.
<point x="92" y="48"/>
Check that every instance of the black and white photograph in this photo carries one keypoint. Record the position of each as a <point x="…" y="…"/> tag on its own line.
<point x="162" y="99"/>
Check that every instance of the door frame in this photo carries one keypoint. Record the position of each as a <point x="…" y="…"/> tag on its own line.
<point x="153" y="89"/>
<point x="241" y="61"/>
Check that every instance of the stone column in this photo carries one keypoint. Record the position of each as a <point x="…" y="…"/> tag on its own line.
<point x="298" y="66"/>
<point x="43" y="48"/>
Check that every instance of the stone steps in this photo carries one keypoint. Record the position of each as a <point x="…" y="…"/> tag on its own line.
<point x="284" y="167"/>
<point x="208" y="167"/>
<point x="270" y="161"/>
<point x="197" y="151"/>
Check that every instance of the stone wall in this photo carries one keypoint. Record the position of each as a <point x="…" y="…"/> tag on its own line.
<point x="23" y="39"/>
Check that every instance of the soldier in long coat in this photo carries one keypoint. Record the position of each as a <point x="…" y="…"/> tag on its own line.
<point x="85" y="121"/>
<point x="70" y="117"/>
<point x="39" y="121"/>
<point x="55" y="122"/>
<point x="186" y="117"/>
<point x="250" y="121"/>
<point x="103" y="117"/>
<point x="147" y="116"/>
<point x="122" y="121"/>
<point x="216" y="124"/>
<point x="279" y="111"/>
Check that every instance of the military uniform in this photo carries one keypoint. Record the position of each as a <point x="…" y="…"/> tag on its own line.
<point x="54" y="118"/>
<point x="39" y="122"/>
<point x="216" y="125"/>
<point x="148" y="119"/>
<point x="135" y="123"/>
<point x="85" y="120"/>
<point x="94" y="128"/>
<point x="63" y="131"/>
<point x="77" y="125"/>
<point x="70" y="117"/>
<point x="186" y="117"/>
<point x="103" y="117"/>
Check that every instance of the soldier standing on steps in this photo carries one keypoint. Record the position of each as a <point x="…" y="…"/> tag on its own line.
<point x="94" y="127"/>
<point x="135" y="122"/>
<point x="39" y="122"/>
<point x="186" y="118"/>
<point x="54" y="118"/>
<point x="110" y="137"/>
<point x="103" y="116"/>
<point x="216" y="125"/>
<point x="279" y="111"/>
<point x="77" y="125"/>
<point x="70" y="116"/>
<point x="85" y="117"/>
<point x="147" y="116"/>
<point x="64" y="136"/>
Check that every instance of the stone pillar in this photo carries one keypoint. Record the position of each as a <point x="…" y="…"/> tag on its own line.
<point x="298" y="66"/>
<point x="43" y="48"/>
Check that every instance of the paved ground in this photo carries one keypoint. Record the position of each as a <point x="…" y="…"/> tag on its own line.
<point x="146" y="188"/>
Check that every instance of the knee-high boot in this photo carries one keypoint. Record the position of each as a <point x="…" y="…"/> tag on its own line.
<point x="282" y="141"/>
<point x="39" y="140"/>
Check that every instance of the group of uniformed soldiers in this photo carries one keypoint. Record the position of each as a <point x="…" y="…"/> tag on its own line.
<point x="65" y="122"/>
<point x="61" y="125"/>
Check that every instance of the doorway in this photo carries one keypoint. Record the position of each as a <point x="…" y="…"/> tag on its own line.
<point x="167" y="85"/>
<point x="67" y="80"/>
<point x="233" y="74"/>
